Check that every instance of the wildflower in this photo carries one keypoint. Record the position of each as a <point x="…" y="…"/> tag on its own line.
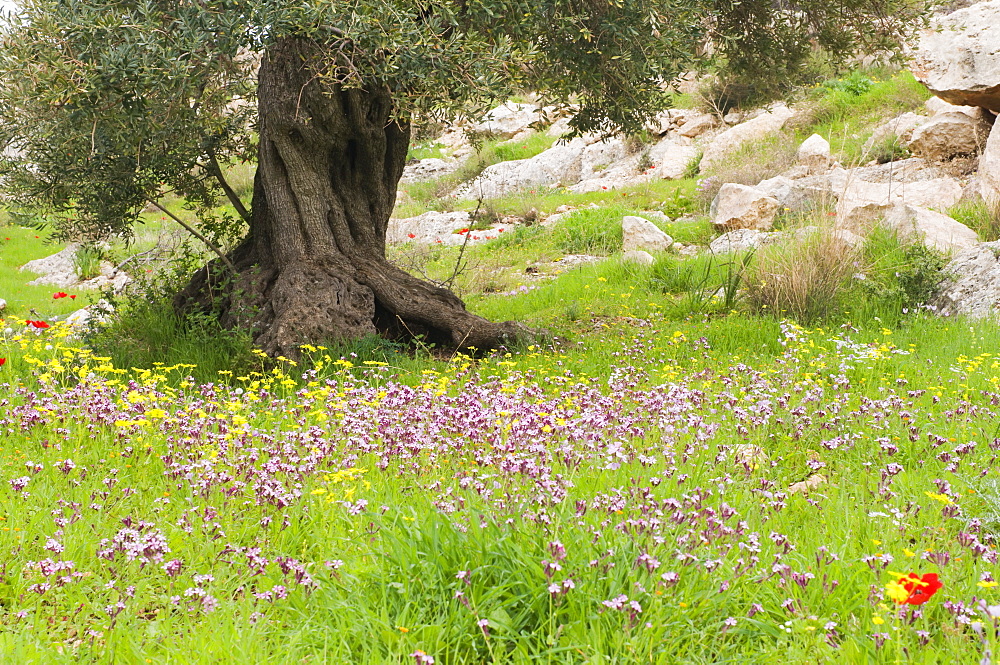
<point x="2" y="361"/>
<point x="943" y="498"/>
<point x="411" y="235"/>
<point x="421" y="658"/>
<point x="913" y="590"/>
<point x="59" y="294"/>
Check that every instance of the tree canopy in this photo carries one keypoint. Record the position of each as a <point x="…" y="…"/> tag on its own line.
<point x="107" y="103"/>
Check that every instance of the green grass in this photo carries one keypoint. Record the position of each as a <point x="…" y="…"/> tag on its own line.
<point x="19" y="245"/>
<point x="979" y="216"/>
<point x="428" y="515"/>
<point x="428" y="494"/>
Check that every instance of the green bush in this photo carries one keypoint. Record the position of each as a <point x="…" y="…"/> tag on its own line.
<point x="898" y="276"/>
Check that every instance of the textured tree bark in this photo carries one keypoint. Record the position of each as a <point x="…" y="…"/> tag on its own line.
<point x="313" y="266"/>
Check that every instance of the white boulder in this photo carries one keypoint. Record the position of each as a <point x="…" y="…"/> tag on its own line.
<point x="642" y="234"/>
<point x="743" y="207"/>
<point x="58" y="269"/>
<point x="508" y="120"/>
<point x="957" y="56"/>
<point x="989" y="168"/>
<point x="698" y="125"/>
<point x="900" y="127"/>
<point x="861" y="202"/>
<point x="639" y="257"/>
<point x="936" y="105"/>
<point x="814" y="153"/>
<point x="934" y="229"/>
<point x="974" y="286"/>
<point x="735" y="137"/>
<point x="949" y="135"/>
<point x="671" y="159"/>
<point x="740" y="240"/>
<point x="426" y="169"/>
<point x="559" y="165"/>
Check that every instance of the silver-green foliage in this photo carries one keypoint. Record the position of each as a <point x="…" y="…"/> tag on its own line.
<point x="107" y="103"/>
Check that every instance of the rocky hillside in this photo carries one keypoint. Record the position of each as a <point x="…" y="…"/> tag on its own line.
<point x="930" y="173"/>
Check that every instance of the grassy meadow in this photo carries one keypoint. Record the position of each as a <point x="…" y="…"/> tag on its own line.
<point x="701" y="461"/>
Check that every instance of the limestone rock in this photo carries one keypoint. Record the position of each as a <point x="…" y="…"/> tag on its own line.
<point x="671" y="159"/>
<point x="974" y="288"/>
<point x="800" y="194"/>
<point x="735" y="137"/>
<point x="989" y="168"/>
<point x="427" y="169"/>
<point x="439" y="228"/>
<point x="560" y="164"/>
<point x="740" y="240"/>
<point x="698" y="125"/>
<point x="639" y="233"/>
<point x="957" y="56"/>
<point x="814" y="153"/>
<point x="743" y="207"/>
<point x="934" y="229"/>
<point x="949" y="135"/>
<point x="508" y="119"/>
<point x="99" y="312"/>
<point x="862" y="202"/>
<point x="901" y="127"/>
<point x="638" y="256"/>
<point x="936" y="105"/>
<point x="59" y="269"/>
<point x="813" y="482"/>
<point x="912" y="169"/>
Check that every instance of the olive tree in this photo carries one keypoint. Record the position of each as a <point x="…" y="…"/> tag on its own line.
<point x="108" y="104"/>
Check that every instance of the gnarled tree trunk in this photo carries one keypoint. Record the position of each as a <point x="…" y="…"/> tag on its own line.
<point x="313" y="265"/>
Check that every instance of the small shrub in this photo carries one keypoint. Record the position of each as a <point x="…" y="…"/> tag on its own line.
<point x="898" y="276"/>
<point x="694" y="166"/>
<point x="856" y="84"/>
<point x="87" y="261"/>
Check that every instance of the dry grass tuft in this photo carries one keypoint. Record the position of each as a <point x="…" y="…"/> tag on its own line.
<point x="802" y="278"/>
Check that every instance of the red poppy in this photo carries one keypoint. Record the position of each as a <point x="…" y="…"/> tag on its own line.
<point x="36" y="324"/>
<point x="2" y="361"/>
<point x="59" y="294"/>
<point x="411" y="235"/>
<point x="921" y="588"/>
<point x="73" y="297"/>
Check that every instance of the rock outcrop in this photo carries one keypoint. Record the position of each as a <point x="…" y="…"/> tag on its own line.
<point x="974" y="288"/>
<point x="934" y="229"/>
<point x="60" y="270"/>
<point x="958" y="57"/>
<point x="949" y="135"/>
<point x="814" y="154"/>
<point x="442" y="228"/>
<point x="642" y="234"/>
<point x="989" y="168"/>
<point x="731" y="140"/>
<point x="901" y="128"/>
<point x="743" y="207"/>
